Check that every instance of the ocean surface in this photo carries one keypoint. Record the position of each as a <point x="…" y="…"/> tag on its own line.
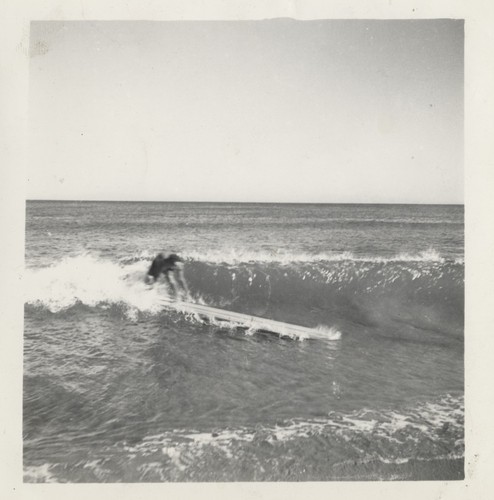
<point x="119" y="388"/>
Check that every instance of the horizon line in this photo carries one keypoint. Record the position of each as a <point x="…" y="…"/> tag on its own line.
<point x="246" y="202"/>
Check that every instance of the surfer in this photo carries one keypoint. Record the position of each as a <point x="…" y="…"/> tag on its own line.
<point x="171" y="268"/>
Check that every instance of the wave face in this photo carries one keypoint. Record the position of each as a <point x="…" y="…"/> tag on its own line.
<point x="421" y="294"/>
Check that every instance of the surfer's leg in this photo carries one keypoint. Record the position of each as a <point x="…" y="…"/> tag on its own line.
<point x="171" y="284"/>
<point x="182" y="284"/>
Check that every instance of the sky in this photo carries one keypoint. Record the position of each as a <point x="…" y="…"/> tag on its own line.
<point x="325" y="111"/>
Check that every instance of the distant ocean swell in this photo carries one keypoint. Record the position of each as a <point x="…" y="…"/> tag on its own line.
<point x="420" y="294"/>
<point x="323" y="448"/>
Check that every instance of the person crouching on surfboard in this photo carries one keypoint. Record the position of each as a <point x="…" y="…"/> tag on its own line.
<point x="171" y="268"/>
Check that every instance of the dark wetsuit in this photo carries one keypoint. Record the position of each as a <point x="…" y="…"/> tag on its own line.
<point x="165" y="266"/>
<point x="162" y="265"/>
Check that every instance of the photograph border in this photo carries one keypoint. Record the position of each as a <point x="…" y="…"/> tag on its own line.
<point x="479" y="236"/>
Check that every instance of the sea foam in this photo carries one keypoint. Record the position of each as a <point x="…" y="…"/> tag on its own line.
<point x="91" y="281"/>
<point x="235" y="256"/>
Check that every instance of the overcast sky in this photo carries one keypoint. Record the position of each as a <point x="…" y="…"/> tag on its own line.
<point x="276" y="110"/>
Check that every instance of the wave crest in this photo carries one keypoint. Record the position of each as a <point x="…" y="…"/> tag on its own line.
<point x="235" y="256"/>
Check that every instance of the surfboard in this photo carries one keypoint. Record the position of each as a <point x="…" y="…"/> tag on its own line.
<point x="254" y="323"/>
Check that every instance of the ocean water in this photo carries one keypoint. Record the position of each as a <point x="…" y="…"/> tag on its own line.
<point x="119" y="388"/>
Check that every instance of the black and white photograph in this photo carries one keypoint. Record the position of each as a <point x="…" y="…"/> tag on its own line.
<point x="244" y="251"/>
<point x="247" y="249"/>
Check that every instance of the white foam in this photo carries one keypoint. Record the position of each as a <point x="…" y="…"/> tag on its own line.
<point x="88" y="280"/>
<point x="327" y="333"/>
<point x="174" y="453"/>
<point x="232" y="256"/>
<point x="152" y="468"/>
<point x="399" y="429"/>
<point x="39" y="473"/>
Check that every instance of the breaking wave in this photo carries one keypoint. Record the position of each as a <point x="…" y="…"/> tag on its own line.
<point x="416" y="293"/>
